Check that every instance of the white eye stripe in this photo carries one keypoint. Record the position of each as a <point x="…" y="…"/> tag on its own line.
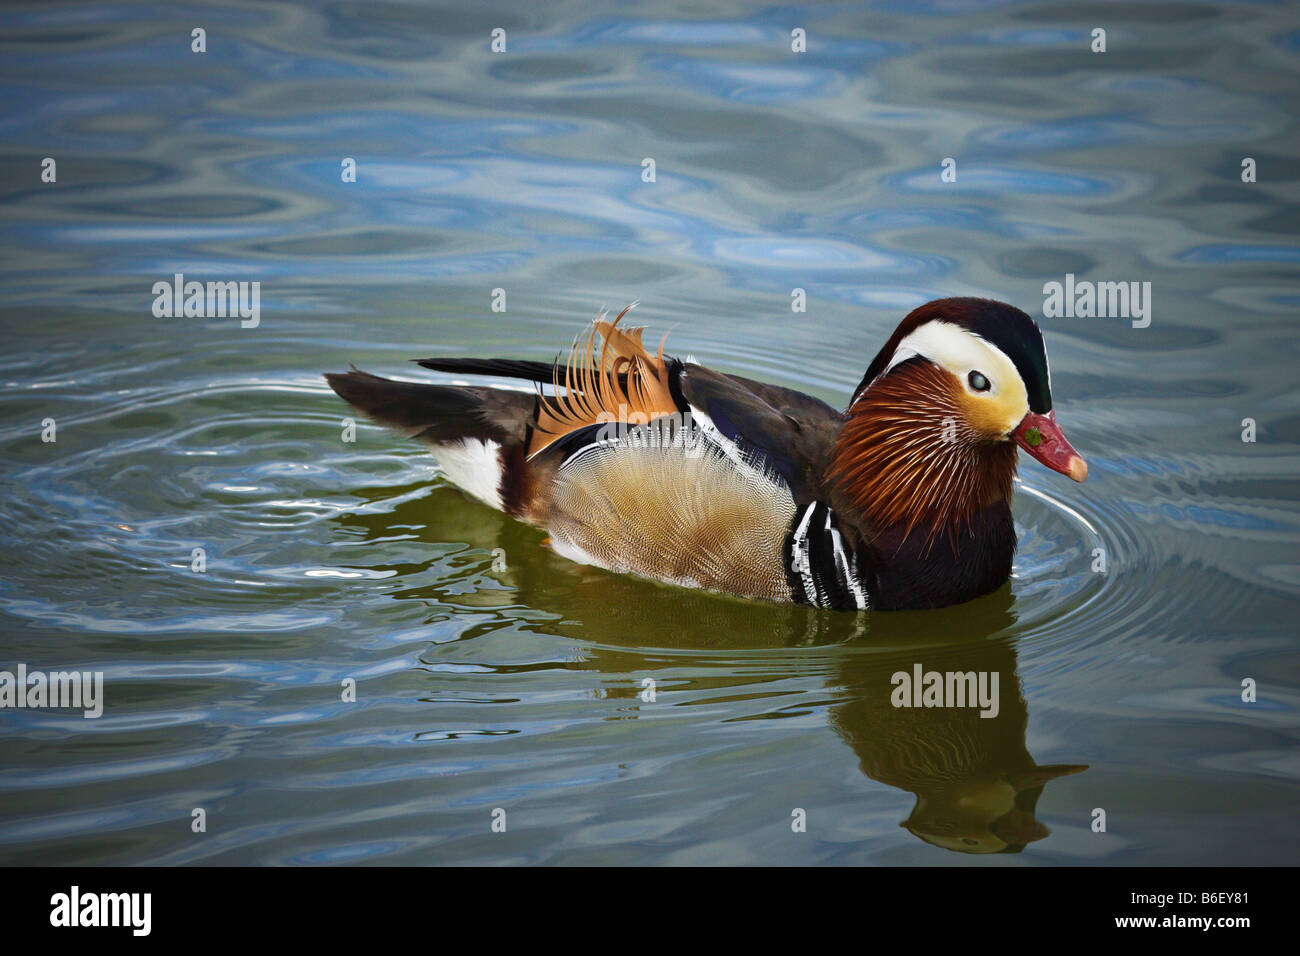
<point x="960" y="352"/>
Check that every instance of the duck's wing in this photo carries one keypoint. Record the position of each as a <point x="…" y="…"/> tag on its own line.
<point x="734" y="509"/>
<point x="609" y="376"/>
<point x="792" y="433"/>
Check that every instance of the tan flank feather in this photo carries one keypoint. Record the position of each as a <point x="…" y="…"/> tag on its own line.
<point x="681" y="513"/>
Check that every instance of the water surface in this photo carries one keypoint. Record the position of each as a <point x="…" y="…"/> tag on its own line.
<point x="521" y="688"/>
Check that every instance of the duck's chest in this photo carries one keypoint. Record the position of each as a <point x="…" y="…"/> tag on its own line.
<point x="891" y="570"/>
<point x="911" y="571"/>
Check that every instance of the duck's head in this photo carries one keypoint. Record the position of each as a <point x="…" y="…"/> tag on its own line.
<point x="931" y="434"/>
<point x="997" y="377"/>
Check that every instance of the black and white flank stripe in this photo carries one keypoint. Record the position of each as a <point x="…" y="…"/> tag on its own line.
<point x="821" y="572"/>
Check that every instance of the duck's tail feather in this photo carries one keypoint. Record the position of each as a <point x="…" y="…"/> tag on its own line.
<point x="478" y="434"/>
<point x="438" y="414"/>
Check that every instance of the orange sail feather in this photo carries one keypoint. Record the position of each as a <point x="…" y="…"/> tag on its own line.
<point x="622" y="383"/>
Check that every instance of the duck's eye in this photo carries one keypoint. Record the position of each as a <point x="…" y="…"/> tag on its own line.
<point x="978" y="382"/>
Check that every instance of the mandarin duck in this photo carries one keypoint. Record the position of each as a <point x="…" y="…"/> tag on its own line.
<point x="646" y="464"/>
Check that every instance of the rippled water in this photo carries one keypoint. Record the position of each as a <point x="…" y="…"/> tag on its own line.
<point x="519" y="689"/>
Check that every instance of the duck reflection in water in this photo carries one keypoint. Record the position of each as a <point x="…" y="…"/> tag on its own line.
<point x="976" y="784"/>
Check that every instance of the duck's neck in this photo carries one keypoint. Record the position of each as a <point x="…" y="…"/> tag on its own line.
<point x="905" y="459"/>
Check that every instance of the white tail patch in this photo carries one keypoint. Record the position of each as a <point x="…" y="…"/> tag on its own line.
<point x="474" y="466"/>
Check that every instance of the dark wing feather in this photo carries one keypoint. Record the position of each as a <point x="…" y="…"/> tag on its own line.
<point x="505" y="368"/>
<point x="792" y="432"/>
<point x="438" y="413"/>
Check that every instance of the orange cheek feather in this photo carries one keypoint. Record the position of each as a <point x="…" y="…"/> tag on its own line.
<point x="992" y="418"/>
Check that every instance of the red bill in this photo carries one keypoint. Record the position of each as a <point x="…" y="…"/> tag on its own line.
<point x="1041" y="437"/>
